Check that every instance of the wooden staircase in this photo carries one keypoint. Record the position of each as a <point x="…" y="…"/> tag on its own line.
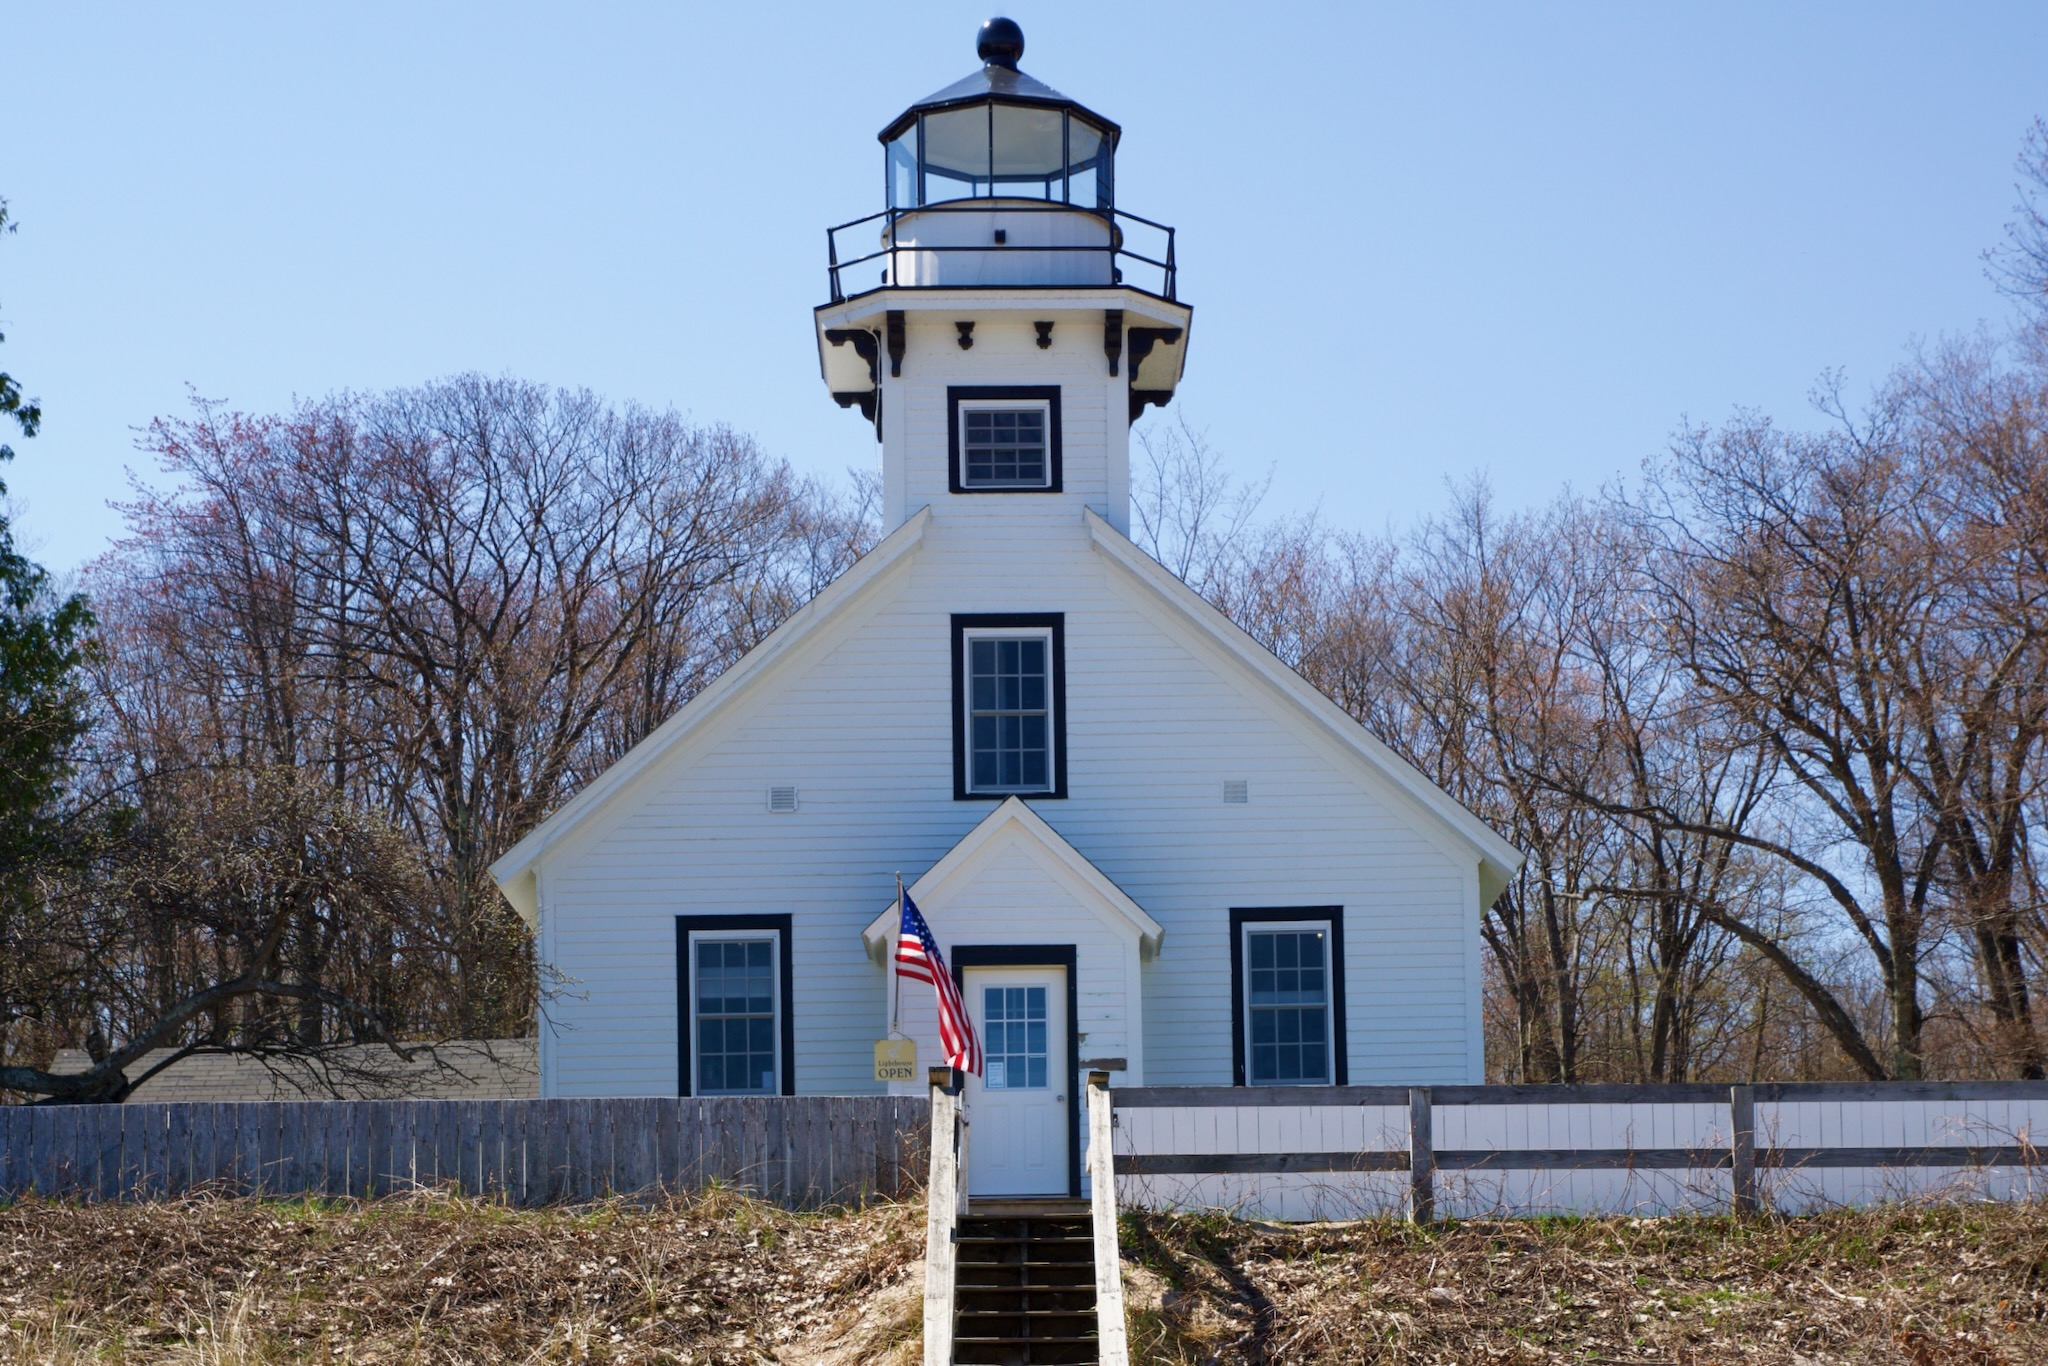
<point x="1026" y="1284"/>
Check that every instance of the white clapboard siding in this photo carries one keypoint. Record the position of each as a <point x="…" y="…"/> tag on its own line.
<point x="861" y="725"/>
<point x="1094" y="427"/>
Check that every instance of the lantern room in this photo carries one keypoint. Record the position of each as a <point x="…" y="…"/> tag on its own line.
<point x="1001" y="259"/>
<point x="1000" y="180"/>
<point x="999" y="134"/>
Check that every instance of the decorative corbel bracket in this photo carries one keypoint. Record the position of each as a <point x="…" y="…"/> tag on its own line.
<point x="896" y="342"/>
<point x="864" y="343"/>
<point x="867" y="400"/>
<point x="1113" y="336"/>
<point x="870" y="404"/>
<point x="966" y="326"/>
<point x="1158" y="398"/>
<point x="1143" y="339"/>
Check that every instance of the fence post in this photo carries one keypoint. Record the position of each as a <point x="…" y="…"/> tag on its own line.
<point x="1742" y="1148"/>
<point x="1421" y="1158"/>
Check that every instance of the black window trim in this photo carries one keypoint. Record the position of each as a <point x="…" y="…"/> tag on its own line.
<point x="1056" y="624"/>
<point x="1046" y="393"/>
<point x="1066" y="956"/>
<point x="781" y="924"/>
<point x="1241" y="916"/>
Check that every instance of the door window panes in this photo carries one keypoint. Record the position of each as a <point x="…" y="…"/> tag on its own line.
<point x="735" y="1004"/>
<point x="1287" y="990"/>
<point x="1013" y="1038"/>
<point x="1009" y="714"/>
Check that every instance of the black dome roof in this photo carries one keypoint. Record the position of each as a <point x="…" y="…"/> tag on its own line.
<point x="999" y="80"/>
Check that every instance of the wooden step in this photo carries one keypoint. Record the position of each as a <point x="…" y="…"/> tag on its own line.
<point x="1028" y="1208"/>
<point x="1026" y="1288"/>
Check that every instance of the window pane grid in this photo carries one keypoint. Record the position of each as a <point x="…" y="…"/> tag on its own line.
<point x="1003" y="447"/>
<point x="1287" y="1001"/>
<point x="1015" y="1039"/>
<point x="1009" y="721"/>
<point x="735" y="1006"/>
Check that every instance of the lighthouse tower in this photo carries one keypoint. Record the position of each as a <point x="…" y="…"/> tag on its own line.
<point x="1002" y="321"/>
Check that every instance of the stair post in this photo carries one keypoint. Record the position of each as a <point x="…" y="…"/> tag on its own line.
<point x="1111" y="1335"/>
<point x="942" y="1218"/>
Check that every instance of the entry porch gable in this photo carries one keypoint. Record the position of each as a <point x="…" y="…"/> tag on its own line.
<point x="1014" y="881"/>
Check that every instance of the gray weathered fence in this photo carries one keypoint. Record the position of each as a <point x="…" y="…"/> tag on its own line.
<point x="1315" y="1152"/>
<point x="801" y="1151"/>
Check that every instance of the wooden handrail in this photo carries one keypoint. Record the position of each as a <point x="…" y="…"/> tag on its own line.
<point x="945" y="1203"/>
<point x="1112" y="1339"/>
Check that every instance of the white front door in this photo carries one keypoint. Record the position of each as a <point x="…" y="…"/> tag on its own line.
<point x="1017" y="1109"/>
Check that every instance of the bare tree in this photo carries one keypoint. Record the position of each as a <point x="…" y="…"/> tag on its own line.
<point x="1188" y="511"/>
<point x="2020" y="265"/>
<point x="411" y="624"/>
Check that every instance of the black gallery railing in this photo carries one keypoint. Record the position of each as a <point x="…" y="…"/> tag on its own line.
<point x="1149" y="274"/>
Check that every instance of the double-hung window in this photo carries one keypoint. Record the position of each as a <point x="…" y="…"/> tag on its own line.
<point x="735" y="983"/>
<point x="1287" y="970"/>
<point x="1009" y="685"/>
<point x="1004" y="439"/>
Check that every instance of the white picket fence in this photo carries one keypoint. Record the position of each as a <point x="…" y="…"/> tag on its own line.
<point x="1465" y="1151"/>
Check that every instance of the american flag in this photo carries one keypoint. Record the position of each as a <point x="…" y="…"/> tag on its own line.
<point x="918" y="958"/>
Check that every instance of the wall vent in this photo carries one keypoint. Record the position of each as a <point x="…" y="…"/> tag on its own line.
<point x="1237" y="791"/>
<point x="782" y="800"/>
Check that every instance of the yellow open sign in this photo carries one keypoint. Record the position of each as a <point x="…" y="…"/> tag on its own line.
<point x="896" y="1060"/>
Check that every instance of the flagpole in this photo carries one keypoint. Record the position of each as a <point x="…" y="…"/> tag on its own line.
<point x="895" y="977"/>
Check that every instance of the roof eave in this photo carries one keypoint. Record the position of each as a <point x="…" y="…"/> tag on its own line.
<point x="1498" y="859"/>
<point x="880" y="931"/>
<point x="515" y="870"/>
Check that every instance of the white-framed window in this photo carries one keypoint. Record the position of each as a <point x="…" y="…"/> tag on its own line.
<point x="1288" y="974"/>
<point x="1004" y="444"/>
<point x="1009" y="705"/>
<point x="735" y="1011"/>
<point x="1004" y="439"/>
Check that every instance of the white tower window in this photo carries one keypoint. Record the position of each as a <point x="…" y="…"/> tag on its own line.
<point x="1004" y="439"/>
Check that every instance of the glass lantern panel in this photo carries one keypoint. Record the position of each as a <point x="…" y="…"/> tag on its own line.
<point x="902" y="163"/>
<point x="956" y="154"/>
<point x="1088" y="166"/>
<point x="1030" y="162"/>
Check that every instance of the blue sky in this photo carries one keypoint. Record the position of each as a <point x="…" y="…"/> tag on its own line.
<point x="1420" y="241"/>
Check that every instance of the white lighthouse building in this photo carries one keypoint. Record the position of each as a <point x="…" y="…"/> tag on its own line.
<point x="1142" y="842"/>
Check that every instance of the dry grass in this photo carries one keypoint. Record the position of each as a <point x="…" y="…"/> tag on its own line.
<point x="1922" y="1286"/>
<point x="724" y="1279"/>
<point x="426" y="1278"/>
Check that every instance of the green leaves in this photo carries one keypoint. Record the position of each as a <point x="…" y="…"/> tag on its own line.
<point x="27" y="413"/>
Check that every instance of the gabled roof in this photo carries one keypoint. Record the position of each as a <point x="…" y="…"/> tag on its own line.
<point x="1011" y="825"/>
<point x="515" y="871"/>
<point x="1498" y="859"/>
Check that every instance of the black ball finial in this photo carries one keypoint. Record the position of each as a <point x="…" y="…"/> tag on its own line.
<point x="1001" y="43"/>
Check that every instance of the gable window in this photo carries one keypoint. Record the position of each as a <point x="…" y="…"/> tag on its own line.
<point x="1287" y="976"/>
<point x="1009" y="700"/>
<point x="1004" y="439"/>
<point x="736" y="1036"/>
